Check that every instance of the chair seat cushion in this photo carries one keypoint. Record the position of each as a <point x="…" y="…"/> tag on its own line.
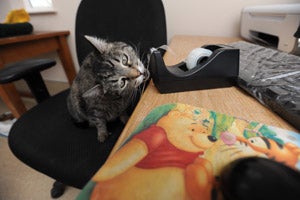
<point x="22" y="69"/>
<point x="52" y="144"/>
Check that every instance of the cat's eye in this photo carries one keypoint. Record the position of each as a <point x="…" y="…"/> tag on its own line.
<point x="125" y="60"/>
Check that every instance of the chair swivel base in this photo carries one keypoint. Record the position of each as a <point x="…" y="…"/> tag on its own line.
<point x="58" y="189"/>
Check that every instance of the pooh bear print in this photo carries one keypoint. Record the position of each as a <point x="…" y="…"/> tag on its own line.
<point x="162" y="161"/>
<point x="177" y="152"/>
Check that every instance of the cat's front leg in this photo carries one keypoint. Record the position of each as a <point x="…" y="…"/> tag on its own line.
<point x="102" y="134"/>
<point x="101" y="128"/>
<point x="124" y="118"/>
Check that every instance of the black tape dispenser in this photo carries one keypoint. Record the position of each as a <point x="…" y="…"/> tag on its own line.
<point x="212" y="66"/>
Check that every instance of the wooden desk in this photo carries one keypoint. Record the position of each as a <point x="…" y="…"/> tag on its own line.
<point x="18" y="48"/>
<point x="233" y="100"/>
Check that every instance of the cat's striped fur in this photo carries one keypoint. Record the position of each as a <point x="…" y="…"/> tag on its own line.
<point x="106" y="84"/>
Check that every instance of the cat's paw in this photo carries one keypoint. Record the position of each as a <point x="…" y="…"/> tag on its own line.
<point x="124" y="118"/>
<point x="102" y="136"/>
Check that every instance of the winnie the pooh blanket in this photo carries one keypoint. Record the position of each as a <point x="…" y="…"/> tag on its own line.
<point x="178" y="151"/>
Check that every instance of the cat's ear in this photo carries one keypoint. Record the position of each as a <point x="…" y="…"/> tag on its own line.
<point x="99" y="44"/>
<point x="93" y="92"/>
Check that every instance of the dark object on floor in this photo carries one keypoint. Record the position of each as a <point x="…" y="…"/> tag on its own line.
<point x="6" y="116"/>
<point x="45" y="138"/>
<point x="273" y="78"/>
<point x="8" y="30"/>
<point x="259" y="179"/>
<point x="220" y="69"/>
<point x="58" y="189"/>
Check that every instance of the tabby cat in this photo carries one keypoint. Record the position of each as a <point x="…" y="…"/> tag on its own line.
<point x="106" y="84"/>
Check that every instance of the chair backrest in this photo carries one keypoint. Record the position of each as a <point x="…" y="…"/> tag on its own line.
<point x="137" y="22"/>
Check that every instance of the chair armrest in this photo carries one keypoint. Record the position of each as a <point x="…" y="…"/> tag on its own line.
<point x="22" y="69"/>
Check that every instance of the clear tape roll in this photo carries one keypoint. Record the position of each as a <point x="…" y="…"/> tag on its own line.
<point x="196" y="55"/>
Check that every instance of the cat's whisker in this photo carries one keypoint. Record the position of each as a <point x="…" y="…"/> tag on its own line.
<point x="143" y="88"/>
<point x="133" y="95"/>
<point x="135" y="47"/>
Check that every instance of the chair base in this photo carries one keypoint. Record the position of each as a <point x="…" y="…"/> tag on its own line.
<point x="57" y="190"/>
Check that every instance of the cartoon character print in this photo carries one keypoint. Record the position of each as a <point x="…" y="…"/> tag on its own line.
<point x="163" y="161"/>
<point x="244" y="139"/>
<point x="181" y="154"/>
<point x="223" y="152"/>
<point x="286" y="153"/>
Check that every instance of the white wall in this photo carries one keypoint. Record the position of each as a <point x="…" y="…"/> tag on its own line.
<point x="208" y="17"/>
<point x="190" y="17"/>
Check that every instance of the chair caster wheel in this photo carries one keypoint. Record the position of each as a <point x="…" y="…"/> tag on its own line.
<point x="57" y="190"/>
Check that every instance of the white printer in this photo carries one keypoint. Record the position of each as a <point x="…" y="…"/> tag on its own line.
<point x="276" y="26"/>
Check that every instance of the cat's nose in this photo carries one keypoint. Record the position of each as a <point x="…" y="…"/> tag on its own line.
<point x="134" y="73"/>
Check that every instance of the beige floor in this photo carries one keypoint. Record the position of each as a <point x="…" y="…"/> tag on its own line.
<point x="18" y="181"/>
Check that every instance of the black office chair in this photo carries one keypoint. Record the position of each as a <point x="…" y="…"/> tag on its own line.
<point x="45" y="137"/>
